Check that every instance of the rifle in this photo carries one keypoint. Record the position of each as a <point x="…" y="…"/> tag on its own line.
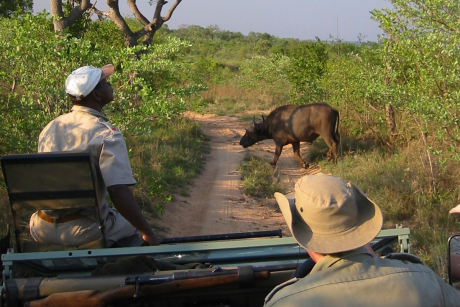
<point x="140" y="286"/>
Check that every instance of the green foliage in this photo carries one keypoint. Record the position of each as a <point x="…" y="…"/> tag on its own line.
<point x="257" y="178"/>
<point x="421" y="59"/>
<point x="267" y="74"/>
<point x="307" y="66"/>
<point x="34" y="63"/>
<point x="103" y="33"/>
<point x="9" y="8"/>
<point x="29" y="78"/>
<point x="355" y="84"/>
<point x="80" y="26"/>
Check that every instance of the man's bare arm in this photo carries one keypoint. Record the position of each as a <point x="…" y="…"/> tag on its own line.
<point x="124" y="201"/>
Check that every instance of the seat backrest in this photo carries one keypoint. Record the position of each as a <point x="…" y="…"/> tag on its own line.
<point x="50" y="181"/>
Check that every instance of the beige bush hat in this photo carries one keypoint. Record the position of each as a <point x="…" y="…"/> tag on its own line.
<point x="84" y="79"/>
<point x="327" y="215"/>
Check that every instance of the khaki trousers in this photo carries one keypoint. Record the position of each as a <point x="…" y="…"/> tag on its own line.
<point x="84" y="230"/>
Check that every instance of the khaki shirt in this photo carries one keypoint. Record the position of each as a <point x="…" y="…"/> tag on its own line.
<point x="87" y="129"/>
<point x="358" y="279"/>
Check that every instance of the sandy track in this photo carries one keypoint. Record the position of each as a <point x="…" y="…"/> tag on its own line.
<point x="216" y="204"/>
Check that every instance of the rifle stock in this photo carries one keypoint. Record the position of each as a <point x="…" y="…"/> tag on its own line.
<point x="92" y="298"/>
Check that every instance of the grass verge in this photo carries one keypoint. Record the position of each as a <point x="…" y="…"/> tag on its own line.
<point x="165" y="161"/>
<point x="257" y="178"/>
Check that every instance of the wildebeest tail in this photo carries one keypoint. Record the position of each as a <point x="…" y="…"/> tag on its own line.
<point x="337" y="134"/>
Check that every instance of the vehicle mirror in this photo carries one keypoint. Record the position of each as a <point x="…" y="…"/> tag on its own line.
<point x="453" y="259"/>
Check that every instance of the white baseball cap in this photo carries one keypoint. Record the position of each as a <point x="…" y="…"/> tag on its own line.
<point x="83" y="80"/>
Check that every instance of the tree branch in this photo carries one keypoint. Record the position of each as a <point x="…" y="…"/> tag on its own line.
<point x="115" y="16"/>
<point x="171" y="10"/>
<point x="101" y="15"/>
<point x="133" y="6"/>
<point x="157" y="22"/>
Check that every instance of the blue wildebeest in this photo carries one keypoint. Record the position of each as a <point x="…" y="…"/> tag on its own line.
<point x="292" y="124"/>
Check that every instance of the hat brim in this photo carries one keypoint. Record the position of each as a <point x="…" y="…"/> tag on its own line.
<point x="107" y="70"/>
<point x="455" y="210"/>
<point x="368" y="226"/>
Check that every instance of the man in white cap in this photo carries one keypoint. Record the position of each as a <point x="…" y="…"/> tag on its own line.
<point x="85" y="128"/>
<point x="335" y="222"/>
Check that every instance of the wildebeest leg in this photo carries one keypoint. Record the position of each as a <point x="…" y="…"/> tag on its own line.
<point x="278" y="150"/>
<point x="332" y="152"/>
<point x="296" y="149"/>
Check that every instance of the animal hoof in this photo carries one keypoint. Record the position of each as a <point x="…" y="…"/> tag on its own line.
<point x="306" y="165"/>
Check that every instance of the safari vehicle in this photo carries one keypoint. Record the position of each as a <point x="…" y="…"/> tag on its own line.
<point x="238" y="269"/>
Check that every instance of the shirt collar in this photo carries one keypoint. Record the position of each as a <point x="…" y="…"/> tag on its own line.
<point x="328" y="260"/>
<point x="88" y="110"/>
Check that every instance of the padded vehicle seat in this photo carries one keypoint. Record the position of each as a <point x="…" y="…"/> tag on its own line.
<point x="51" y="181"/>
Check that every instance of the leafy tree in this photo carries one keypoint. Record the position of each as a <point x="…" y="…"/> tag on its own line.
<point x="212" y="30"/>
<point x="10" y="8"/>
<point x="263" y="46"/>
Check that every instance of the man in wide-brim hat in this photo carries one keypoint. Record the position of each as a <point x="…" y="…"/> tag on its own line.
<point x="335" y="222"/>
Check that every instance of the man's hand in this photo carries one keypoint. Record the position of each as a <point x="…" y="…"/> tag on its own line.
<point x="151" y="239"/>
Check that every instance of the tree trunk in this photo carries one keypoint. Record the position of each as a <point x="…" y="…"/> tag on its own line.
<point x="391" y="121"/>
<point x="62" y="22"/>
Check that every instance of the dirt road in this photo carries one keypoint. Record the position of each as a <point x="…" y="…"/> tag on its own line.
<point x="216" y="204"/>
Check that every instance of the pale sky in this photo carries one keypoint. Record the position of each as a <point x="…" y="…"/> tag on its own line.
<point x="300" y="19"/>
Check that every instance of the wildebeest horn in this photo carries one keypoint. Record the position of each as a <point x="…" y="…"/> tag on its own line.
<point x="254" y="120"/>
<point x="263" y="118"/>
